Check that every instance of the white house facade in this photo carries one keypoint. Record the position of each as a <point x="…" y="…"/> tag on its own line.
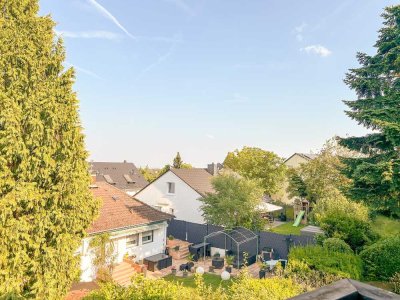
<point x="136" y="229"/>
<point x="178" y="192"/>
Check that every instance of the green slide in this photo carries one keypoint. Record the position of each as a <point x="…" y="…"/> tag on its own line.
<point x="298" y="219"/>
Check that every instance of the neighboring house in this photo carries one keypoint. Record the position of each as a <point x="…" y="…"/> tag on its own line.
<point x="297" y="159"/>
<point x="294" y="161"/>
<point x="136" y="228"/>
<point x="123" y="175"/>
<point x="178" y="192"/>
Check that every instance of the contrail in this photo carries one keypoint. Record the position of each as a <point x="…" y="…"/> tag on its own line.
<point x="108" y="15"/>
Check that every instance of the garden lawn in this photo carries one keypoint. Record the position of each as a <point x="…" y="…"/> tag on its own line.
<point x="386" y="227"/>
<point x="209" y="279"/>
<point x="288" y="228"/>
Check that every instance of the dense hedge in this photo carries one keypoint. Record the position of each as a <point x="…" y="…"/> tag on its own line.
<point x="243" y="287"/>
<point x="382" y="259"/>
<point x="345" y="265"/>
<point x="337" y="245"/>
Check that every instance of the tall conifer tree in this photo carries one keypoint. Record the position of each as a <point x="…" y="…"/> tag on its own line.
<point x="177" y="163"/>
<point x="45" y="203"/>
<point x="376" y="175"/>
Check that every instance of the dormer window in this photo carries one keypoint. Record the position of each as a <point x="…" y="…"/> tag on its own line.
<point x="171" y="187"/>
<point x="128" y="179"/>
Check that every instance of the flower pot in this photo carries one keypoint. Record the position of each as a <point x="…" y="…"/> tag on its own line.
<point x="173" y="271"/>
<point x="211" y="269"/>
<point x="261" y="273"/>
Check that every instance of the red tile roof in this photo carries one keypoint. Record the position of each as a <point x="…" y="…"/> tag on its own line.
<point x="119" y="210"/>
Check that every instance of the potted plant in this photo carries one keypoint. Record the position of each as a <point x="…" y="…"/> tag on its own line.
<point x="229" y="263"/>
<point x="191" y="262"/>
<point x="185" y="273"/>
<point x="263" y="270"/>
<point x="217" y="261"/>
<point x="173" y="270"/>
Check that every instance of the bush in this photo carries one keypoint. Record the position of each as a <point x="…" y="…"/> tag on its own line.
<point x="244" y="287"/>
<point x="382" y="259"/>
<point x="344" y="219"/>
<point x="310" y="279"/>
<point x="344" y="265"/>
<point x="337" y="245"/>
<point x="268" y="289"/>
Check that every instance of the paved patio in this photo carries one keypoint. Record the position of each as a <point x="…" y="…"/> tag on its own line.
<point x="253" y="269"/>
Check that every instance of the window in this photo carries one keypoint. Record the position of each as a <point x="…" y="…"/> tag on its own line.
<point x="128" y="178"/>
<point x="132" y="240"/>
<point x="108" y="179"/>
<point x="171" y="187"/>
<point x="147" y="237"/>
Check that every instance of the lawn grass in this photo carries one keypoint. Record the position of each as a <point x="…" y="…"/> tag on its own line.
<point x="288" y="228"/>
<point x="209" y="279"/>
<point x="386" y="227"/>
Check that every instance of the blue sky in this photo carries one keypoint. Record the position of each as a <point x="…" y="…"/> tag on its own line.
<point x="205" y="77"/>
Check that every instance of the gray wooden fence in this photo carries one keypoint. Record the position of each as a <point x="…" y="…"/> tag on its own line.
<point x="195" y="233"/>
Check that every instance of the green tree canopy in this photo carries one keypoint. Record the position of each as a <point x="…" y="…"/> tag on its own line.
<point x="258" y="164"/>
<point x="45" y="201"/>
<point x="376" y="177"/>
<point x="321" y="177"/>
<point x="234" y="203"/>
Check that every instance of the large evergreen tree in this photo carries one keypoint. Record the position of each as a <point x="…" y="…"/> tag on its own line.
<point x="45" y="203"/>
<point x="376" y="176"/>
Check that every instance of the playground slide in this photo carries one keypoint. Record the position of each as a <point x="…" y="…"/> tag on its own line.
<point x="298" y="219"/>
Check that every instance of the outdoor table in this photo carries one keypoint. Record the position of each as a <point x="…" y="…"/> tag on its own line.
<point x="271" y="263"/>
<point x="198" y="249"/>
<point x="158" y="262"/>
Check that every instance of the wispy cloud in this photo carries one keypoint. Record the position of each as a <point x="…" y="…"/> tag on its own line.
<point x="298" y="30"/>
<point x="317" y="49"/>
<point x="210" y="136"/>
<point x="96" y="34"/>
<point x="82" y="70"/>
<point x="109" y="16"/>
<point x="181" y="4"/>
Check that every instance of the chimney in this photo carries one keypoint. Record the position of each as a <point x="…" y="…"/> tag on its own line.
<point x="212" y="169"/>
<point x="125" y="161"/>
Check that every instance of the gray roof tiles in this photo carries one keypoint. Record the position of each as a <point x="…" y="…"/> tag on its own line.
<point x="118" y="172"/>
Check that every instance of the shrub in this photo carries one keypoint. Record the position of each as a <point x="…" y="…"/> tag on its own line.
<point x="244" y="287"/>
<point x="395" y="281"/>
<point x="382" y="259"/>
<point x="337" y="245"/>
<point x="268" y="289"/>
<point x="344" y="265"/>
<point x="344" y="219"/>
<point x="310" y="279"/>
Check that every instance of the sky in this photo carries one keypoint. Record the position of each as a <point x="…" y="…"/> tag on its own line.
<point x="204" y="77"/>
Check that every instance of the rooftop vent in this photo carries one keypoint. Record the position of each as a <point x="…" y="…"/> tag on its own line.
<point x="109" y="179"/>
<point x="128" y="178"/>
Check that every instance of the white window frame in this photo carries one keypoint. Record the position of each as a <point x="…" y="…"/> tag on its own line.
<point x="169" y="185"/>
<point x="132" y="245"/>
<point x="148" y="233"/>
